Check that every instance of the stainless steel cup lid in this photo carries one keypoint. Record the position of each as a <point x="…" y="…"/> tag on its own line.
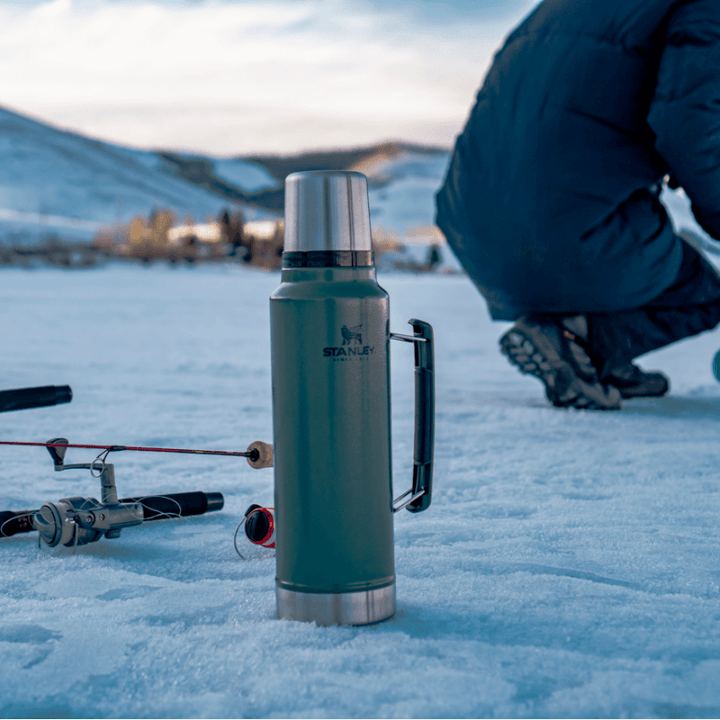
<point x="327" y="211"/>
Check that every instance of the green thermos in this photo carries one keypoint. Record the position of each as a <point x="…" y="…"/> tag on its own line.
<point x="331" y="410"/>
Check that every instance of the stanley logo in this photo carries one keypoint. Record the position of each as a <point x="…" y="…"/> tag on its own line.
<point x="351" y="335"/>
<point x="352" y="345"/>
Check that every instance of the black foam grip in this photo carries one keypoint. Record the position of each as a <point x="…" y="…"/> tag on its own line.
<point x="157" y="507"/>
<point x="12" y="523"/>
<point x="25" y="398"/>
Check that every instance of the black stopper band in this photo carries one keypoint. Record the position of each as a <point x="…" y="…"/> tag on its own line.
<point x="328" y="258"/>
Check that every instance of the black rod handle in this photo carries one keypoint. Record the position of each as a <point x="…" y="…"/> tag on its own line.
<point x="24" y="398"/>
<point x="158" y="507"/>
<point x="12" y="523"/>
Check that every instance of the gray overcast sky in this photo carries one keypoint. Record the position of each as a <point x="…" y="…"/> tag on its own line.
<point x="245" y="76"/>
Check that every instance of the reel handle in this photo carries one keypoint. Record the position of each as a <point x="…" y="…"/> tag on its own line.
<point x="260" y="526"/>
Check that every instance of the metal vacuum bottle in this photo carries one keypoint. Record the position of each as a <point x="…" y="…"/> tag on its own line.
<point x="331" y="410"/>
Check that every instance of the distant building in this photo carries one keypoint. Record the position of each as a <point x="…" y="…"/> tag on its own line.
<point x="204" y="232"/>
<point x="263" y="229"/>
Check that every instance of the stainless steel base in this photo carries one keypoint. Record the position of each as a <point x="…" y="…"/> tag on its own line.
<point x="355" y="608"/>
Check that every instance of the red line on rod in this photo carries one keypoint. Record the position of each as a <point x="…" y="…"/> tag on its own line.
<point x="117" y="448"/>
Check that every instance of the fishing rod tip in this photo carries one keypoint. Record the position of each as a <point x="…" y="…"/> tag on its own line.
<point x="260" y="454"/>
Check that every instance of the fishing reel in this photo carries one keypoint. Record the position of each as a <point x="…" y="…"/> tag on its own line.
<point x="78" y="520"/>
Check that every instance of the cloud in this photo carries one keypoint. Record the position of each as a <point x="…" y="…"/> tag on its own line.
<point x="244" y="77"/>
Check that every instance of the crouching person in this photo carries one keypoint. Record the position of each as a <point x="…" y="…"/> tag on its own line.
<point x="551" y="197"/>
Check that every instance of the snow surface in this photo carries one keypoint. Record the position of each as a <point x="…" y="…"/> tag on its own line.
<point x="569" y="564"/>
<point x="679" y="207"/>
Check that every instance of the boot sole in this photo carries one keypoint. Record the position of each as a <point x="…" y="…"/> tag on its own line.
<point x="563" y="387"/>
<point x="657" y="389"/>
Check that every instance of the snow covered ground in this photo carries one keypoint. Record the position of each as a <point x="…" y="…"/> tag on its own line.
<point x="568" y="566"/>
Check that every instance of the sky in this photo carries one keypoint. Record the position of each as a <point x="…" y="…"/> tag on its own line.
<point x="251" y="76"/>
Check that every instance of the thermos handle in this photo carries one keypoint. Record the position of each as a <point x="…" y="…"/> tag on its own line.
<point x="420" y="495"/>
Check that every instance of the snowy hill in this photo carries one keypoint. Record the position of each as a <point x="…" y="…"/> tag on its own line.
<point x="55" y="181"/>
<point x="403" y="178"/>
<point x="403" y="187"/>
<point x="50" y="179"/>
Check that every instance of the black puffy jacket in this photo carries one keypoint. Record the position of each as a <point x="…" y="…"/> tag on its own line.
<point x="587" y="104"/>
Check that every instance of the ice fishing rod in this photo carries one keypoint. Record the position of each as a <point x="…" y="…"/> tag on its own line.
<point x="78" y="520"/>
<point x="259" y="454"/>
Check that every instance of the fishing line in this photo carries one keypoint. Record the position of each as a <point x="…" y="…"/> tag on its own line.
<point x="237" y="530"/>
<point x="101" y="458"/>
<point x="161" y="513"/>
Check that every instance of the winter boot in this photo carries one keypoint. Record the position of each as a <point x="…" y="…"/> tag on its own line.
<point x="551" y="347"/>
<point x="633" y="382"/>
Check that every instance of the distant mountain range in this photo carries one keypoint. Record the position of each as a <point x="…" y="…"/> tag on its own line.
<point x="58" y="182"/>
